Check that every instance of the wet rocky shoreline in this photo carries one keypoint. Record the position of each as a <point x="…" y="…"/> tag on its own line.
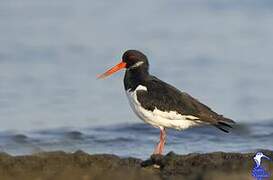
<point x="82" y="166"/>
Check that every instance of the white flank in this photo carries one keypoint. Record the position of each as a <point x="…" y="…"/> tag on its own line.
<point x="158" y="118"/>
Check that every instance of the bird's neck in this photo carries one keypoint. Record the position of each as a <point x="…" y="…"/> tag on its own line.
<point x="135" y="77"/>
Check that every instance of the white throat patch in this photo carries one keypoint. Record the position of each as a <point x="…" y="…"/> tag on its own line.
<point x="137" y="65"/>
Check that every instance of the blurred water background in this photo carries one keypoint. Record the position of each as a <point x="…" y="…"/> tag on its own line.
<point x="51" y="51"/>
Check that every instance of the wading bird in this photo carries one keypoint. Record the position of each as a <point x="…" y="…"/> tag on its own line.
<point x="258" y="158"/>
<point x="160" y="104"/>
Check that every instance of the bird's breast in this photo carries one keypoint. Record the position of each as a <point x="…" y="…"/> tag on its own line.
<point x="135" y="104"/>
<point x="156" y="117"/>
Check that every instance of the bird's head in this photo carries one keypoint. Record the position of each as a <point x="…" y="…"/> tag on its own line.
<point x="131" y="60"/>
<point x="260" y="155"/>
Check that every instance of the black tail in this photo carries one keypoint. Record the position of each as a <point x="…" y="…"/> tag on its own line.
<point x="224" y="124"/>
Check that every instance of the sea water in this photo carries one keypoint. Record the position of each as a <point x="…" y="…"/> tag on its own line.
<point x="51" y="51"/>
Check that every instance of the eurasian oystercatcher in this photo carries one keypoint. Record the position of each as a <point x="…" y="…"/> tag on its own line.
<point x="160" y="104"/>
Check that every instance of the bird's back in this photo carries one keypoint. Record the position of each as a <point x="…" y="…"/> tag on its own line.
<point x="164" y="97"/>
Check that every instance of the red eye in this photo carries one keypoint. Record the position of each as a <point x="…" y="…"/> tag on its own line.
<point x="132" y="57"/>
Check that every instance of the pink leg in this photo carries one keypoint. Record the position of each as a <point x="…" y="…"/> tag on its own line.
<point x="160" y="146"/>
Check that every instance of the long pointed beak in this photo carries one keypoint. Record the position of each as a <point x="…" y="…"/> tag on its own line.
<point x="266" y="157"/>
<point x="111" y="71"/>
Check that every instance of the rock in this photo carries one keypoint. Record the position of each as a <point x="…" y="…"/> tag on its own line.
<point x="80" y="165"/>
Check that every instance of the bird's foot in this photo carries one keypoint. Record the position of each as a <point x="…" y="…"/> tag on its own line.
<point x="160" y="146"/>
<point x="158" y="149"/>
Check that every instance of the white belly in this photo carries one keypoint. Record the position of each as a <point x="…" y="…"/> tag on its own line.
<point x="158" y="118"/>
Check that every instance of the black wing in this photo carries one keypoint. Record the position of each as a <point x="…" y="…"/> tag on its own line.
<point x="165" y="97"/>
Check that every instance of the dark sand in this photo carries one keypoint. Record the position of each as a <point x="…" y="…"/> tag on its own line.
<point x="82" y="166"/>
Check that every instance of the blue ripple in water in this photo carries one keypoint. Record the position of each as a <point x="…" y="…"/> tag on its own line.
<point x="139" y="139"/>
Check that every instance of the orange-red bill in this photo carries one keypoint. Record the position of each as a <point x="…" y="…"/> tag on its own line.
<point x="114" y="69"/>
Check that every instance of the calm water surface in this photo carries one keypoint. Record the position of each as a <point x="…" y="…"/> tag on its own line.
<point x="51" y="51"/>
<point x="138" y="140"/>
